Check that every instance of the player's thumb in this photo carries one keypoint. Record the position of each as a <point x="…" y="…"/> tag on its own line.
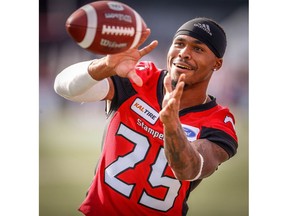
<point x="132" y="75"/>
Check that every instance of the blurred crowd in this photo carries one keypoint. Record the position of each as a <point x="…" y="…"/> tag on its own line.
<point x="57" y="50"/>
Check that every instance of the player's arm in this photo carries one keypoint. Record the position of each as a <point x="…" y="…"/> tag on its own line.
<point x="76" y="84"/>
<point x="191" y="160"/>
<point x="90" y="81"/>
<point x="188" y="160"/>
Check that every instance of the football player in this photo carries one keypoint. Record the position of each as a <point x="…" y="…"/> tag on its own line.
<point x="165" y="133"/>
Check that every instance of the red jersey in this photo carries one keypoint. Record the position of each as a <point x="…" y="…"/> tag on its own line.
<point x="133" y="176"/>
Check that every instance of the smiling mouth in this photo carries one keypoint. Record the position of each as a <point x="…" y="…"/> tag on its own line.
<point x="182" y="66"/>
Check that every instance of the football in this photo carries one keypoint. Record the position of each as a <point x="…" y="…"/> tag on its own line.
<point x="106" y="27"/>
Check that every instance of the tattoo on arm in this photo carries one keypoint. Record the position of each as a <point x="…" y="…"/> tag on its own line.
<point x="176" y="148"/>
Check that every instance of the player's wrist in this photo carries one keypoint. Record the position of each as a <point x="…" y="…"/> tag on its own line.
<point x="99" y="70"/>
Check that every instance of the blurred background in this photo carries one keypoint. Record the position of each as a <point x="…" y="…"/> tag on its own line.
<point x="70" y="133"/>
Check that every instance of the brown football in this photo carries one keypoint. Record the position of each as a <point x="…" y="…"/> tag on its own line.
<point x="106" y="27"/>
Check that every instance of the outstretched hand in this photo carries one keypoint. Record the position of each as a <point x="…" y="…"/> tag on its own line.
<point x="171" y="101"/>
<point x="124" y="63"/>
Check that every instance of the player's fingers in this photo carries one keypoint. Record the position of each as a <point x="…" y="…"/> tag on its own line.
<point x="182" y="78"/>
<point x="135" y="78"/>
<point x="179" y="87"/>
<point x="147" y="49"/>
<point x="168" y="84"/>
<point x="171" y="104"/>
<point x="167" y="109"/>
<point x="179" y="90"/>
<point x="144" y="37"/>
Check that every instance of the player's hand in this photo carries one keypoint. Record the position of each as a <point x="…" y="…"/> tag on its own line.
<point x="171" y="102"/>
<point x="124" y="63"/>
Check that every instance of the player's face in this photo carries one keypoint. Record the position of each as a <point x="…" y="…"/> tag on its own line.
<point x="192" y="57"/>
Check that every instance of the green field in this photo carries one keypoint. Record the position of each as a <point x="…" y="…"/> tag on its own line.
<point x="69" y="150"/>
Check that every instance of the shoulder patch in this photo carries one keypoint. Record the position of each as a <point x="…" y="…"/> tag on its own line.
<point x="191" y="132"/>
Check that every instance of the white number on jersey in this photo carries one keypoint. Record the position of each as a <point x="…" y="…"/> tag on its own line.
<point x="156" y="179"/>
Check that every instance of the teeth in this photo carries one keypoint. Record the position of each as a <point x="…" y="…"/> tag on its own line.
<point x="182" y="66"/>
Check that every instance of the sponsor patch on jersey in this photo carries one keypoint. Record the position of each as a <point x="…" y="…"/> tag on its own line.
<point x="145" y="111"/>
<point x="191" y="132"/>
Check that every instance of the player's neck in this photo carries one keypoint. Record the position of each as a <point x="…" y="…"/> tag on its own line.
<point x="190" y="100"/>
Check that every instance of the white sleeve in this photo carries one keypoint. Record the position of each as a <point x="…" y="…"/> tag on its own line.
<point x="75" y="83"/>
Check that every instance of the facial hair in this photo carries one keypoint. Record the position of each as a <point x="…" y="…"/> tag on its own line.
<point x="174" y="83"/>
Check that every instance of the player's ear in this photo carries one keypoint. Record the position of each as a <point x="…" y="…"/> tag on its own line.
<point x="218" y="64"/>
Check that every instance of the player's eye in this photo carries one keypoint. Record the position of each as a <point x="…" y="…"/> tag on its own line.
<point x="178" y="44"/>
<point x="198" y="49"/>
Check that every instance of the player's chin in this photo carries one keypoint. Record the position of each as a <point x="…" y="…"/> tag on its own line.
<point x="176" y="73"/>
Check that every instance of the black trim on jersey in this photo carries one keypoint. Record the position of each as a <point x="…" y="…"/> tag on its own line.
<point x="193" y="185"/>
<point x="160" y="87"/>
<point x="123" y="91"/>
<point x="219" y="137"/>
<point x="199" y="108"/>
